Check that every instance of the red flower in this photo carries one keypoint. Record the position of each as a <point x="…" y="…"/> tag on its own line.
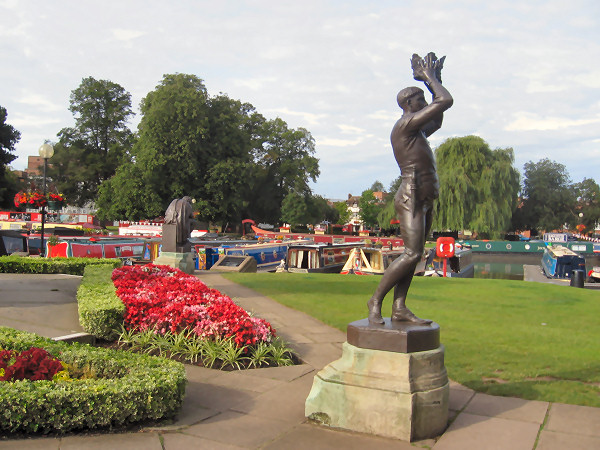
<point x="164" y="299"/>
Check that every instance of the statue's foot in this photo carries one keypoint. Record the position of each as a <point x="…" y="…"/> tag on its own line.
<point x="374" y="311"/>
<point x="403" y="314"/>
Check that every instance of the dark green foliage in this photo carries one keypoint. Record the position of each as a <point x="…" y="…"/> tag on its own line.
<point x="100" y="310"/>
<point x="220" y="151"/>
<point x="588" y="203"/>
<point x="478" y="186"/>
<point x="548" y="199"/>
<point x="369" y="208"/>
<point x="127" y="388"/>
<point x="71" y="266"/>
<point x="90" y="152"/>
<point x="9" y="137"/>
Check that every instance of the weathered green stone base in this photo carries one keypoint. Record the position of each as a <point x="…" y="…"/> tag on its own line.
<point x="182" y="261"/>
<point x="398" y="395"/>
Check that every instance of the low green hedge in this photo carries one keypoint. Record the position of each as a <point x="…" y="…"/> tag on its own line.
<point x="71" y="266"/>
<point x="128" y="388"/>
<point x="100" y="310"/>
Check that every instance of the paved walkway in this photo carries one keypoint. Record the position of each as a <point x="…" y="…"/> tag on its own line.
<point x="264" y="408"/>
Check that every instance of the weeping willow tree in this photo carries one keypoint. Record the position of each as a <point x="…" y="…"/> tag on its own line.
<point x="478" y="186"/>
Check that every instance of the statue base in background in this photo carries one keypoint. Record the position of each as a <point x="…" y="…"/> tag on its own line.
<point x="183" y="261"/>
<point x="393" y="392"/>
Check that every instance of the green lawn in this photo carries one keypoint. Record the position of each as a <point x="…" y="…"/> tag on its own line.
<point x="513" y="338"/>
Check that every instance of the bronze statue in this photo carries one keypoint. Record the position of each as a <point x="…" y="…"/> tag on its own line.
<point x="414" y="200"/>
<point x="180" y="213"/>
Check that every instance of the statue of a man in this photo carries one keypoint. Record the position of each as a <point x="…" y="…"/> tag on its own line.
<point x="180" y="213"/>
<point x="414" y="200"/>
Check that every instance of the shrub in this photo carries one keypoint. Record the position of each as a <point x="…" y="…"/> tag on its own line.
<point x="70" y="266"/>
<point x="127" y="388"/>
<point x="100" y="310"/>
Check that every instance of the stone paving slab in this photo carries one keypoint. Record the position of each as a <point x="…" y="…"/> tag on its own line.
<point x="181" y="441"/>
<point x="572" y="419"/>
<point x="234" y="428"/>
<point x="552" y="440"/>
<point x="507" y="408"/>
<point x="130" y="441"/>
<point x="306" y="436"/>
<point x="470" y="431"/>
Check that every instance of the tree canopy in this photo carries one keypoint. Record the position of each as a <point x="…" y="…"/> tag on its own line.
<point x="478" y="186"/>
<point x="588" y="203"/>
<point x="9" y="136"/>
<point x="220" y="151"/>
<point x="548" y="199"/>
<point x="90" y="152"/>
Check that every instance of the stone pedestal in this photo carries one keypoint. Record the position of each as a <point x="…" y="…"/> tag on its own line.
<point x="391" y="393"/>
<point x="180" y="260"/>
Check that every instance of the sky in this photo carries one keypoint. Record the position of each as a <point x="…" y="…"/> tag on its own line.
<point x="524" y="75"/>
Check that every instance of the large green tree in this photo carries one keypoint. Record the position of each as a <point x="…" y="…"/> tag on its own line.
<point x="548" y="197"/>
<point x="217" y="150"/>
<point x="478" y="186"/>
<point x="90" y="152"/>
<point x="9" y="137"/>
<point x="369" y="208"/>
<point x="588" y="203"/>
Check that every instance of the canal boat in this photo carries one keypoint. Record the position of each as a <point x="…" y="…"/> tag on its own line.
<point x="559" y="261"/>
<point x="458" y="266"/>
<point x="319" y="257"/>
<point x="369" y="261"/>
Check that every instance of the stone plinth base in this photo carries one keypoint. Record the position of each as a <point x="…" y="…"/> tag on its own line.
<point x="391" y="394"/>
<point x="182" y="261"/>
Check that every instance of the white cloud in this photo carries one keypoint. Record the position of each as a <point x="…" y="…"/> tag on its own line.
<point x="526" y="121"/>
<point x="126" y="35"/>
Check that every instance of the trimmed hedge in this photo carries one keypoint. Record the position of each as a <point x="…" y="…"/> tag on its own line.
<point x="128" y="388"/>
<point x="100" y="310"/>
<point x="71" y="266"/>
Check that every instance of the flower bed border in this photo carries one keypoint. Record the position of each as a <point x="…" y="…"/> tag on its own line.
<point x="69" y="266"/>
<point x="131" y="388"/>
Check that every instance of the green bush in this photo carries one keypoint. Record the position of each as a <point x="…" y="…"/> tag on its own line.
<point x="100" y="310"/>
<point x="127" y="388"/>
<point x="71" y="266"/>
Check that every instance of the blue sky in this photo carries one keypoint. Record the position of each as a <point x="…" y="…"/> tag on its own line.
<point x="524" y="75"/>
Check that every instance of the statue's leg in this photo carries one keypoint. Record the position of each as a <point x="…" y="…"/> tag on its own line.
<point x="401" y="270"/>
<point x="400" y="311"/>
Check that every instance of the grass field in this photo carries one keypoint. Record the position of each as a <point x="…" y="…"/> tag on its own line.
<point x="512" y="338"/>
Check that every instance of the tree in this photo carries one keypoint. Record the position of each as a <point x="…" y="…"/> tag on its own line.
<point x="377" y="186"/>
<point x="217" y="150"/>
<point x="369" y="208"/>
<point x="89" y="153"/>
<point x="9" y="137"/>
<point x="548" y="200"/>
<point x="343" y="212"/>
<point x="588" y="202"/>
<point x="294" y="209"/>
<point x="478" y="186"/>
<point x="168" y="158"/>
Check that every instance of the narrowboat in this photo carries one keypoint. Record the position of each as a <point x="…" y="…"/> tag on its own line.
<point x="325" y="258"/>
<point x="559" y="262"/>
<point x="368" y="261"/>
<point x="268" y="256"/>
<point x="458" y="266"/>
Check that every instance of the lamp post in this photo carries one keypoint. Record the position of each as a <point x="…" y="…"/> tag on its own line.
<point x="46" y="151"/>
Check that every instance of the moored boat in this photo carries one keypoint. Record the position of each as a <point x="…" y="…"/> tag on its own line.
<point x="369" y="261"/>
<point x="459" y="266"/>
<point x="326" y="258"/>
<point x="559" y="262"/>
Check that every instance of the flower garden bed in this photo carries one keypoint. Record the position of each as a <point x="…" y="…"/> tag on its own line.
<point x="108" y="389"/>
<point x="163" y="311"/>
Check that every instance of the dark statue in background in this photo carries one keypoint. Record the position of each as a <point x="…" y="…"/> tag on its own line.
<point x="181" y="214"/>
<point x="414" y="200"/>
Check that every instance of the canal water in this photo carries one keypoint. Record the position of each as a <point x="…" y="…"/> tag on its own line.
<point x="510" y="266"/>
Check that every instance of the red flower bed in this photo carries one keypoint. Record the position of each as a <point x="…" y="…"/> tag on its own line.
<point x="33" y="364"/>
<point x="164" y="299"/>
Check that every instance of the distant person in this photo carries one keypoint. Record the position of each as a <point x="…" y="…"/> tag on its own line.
<point x="414" y="200"/>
